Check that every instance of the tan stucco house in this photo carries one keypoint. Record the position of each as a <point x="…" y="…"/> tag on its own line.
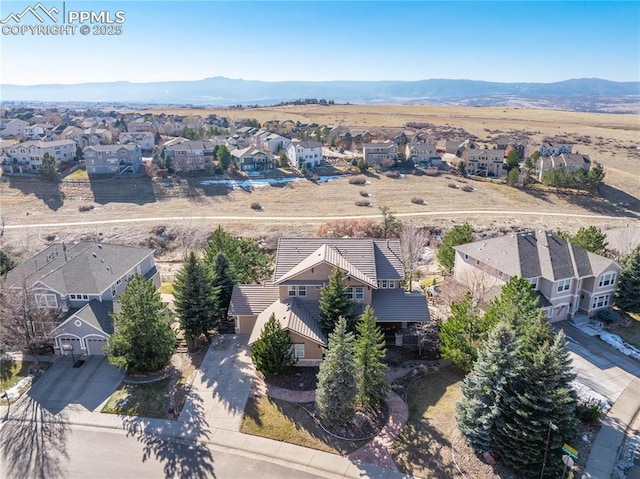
<point x="373" y="272"/>
<point x="569" y="280"/>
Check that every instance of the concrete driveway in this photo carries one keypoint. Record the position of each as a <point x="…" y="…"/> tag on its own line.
<point x="79" y="389"/>
<point x="221" y="386"/>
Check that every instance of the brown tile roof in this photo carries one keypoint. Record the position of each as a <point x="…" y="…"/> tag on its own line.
<point x="252" y="299"/>
<point x="294" y="315"/>
<point x="376" y="259"/>
<point x="392" y="305"/>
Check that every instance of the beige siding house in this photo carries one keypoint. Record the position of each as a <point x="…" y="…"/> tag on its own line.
<point x="569" y="280"/>
<point x="82" y="280"/>
<point x="373" y="272"/>
<point x="375" y="153"/>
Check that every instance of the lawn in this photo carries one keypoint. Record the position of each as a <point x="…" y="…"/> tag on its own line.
<point x="166" y="287"/>
<point x="288" y="422"/>
<point x="430" y="444"/>
<point x="146" y="400"/>
<point x="630" y="333"/>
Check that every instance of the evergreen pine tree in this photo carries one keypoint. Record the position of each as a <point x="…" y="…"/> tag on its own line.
<point x="369" y="351"/>
<point x="142" y="341"/>
<point x="592" y="239"/>
<point x="460" y="234"/>
<point x="334" y="303"/>
<point x="541" y="395"/>
<point x="196" y="299"/>
<point x="462" y="334"/>
<point x="337" y="384"/>
<point x="272" y="353"/>
<point x="222" y="279"/>
<point x="516" y="305"/>
<point x="628" y="294"/>
<point x="484" y="389"/>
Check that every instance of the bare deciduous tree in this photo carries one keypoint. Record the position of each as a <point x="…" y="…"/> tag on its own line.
<point x="479" y="284"/>
<point x="24" y="326"/>
<point x="412" y="243"/>
<point x="428" y="337"/>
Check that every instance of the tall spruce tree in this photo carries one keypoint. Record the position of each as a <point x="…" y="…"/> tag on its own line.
<point x="462" y="334"/>
<point x="486" y="388"/>
<point x="541" y="395"/>
<point x="142" y="341"/>
<point x="591" y="239"/>
<point x="516" y="305"/>
<point x="369" y="351"/>
<point x="337" y="383"/>
<point x="223" y="280"/>
<point x="196" y="299"/>
<point x="334" y="303"/>
<point x="272" y="353"/>
<point x="628" y="294"/>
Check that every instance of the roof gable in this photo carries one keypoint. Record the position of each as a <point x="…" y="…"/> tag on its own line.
<point x="293" y="315"/>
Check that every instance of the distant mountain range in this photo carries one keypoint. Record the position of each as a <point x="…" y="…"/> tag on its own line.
<point x="575" y="94"/>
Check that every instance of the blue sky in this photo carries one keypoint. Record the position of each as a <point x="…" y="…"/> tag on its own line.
<point x="304" y="40"/>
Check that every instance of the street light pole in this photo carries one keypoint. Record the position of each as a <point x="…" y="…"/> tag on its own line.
<point x="546" y="448"/>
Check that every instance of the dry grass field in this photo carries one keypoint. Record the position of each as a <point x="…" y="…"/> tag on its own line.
<point x="299" y="208"/>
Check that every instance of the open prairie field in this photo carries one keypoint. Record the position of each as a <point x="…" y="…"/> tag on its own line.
<point x="35" y="212"/>
<point x="611" y="139"/>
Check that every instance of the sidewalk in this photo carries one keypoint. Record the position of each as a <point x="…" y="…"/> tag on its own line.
<point x="212" y="416"/>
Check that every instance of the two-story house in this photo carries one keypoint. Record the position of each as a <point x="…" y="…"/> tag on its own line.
<point x="373" y="272"/>
<point x="113" y="159"/>
<point x="375" y="153"/>
<point x="567" y="161"/>
<point x="252" y="159"/>
<point x="484" y="162"/>
<point x="191" y="155"/>
<point x="270" y="142"/>
<point x="569" y="280"/>
<point x="548" y="148"/>
<point x="27" y="157"/>
<point x="422" y="153"/>
<point x="14" y="128"/>
<point x="308" y="153"/>
<point x="146" y="140"/>
<point x="82" y="280"/>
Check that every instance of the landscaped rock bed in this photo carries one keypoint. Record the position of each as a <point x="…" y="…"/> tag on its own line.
<point x="363" y="427"/>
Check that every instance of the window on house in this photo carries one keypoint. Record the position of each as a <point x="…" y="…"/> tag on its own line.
<point x="392" y="284"/>
<point x="564" y="285"/>
<point x="607" y="279"/>
<point x="534" y="283"/>
<point x="114" y="291"/>
<point x="298" y="350"/>
<point x="359" y="293"/>
<point x="72" y="296"/>
<point x="384" y="283"/>
<point x="46" y="300"/>
<point x="600" y="301"/>
<point x="302" y="290"/>
<point x="292" y="290"/>
<point x="85" y="297"/>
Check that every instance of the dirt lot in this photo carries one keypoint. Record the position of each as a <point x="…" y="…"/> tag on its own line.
<point x="127" y="210"/>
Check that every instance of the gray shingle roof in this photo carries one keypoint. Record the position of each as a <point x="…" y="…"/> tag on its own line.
<point x="86" y="268"/>
<point x="376" y="259"/>
<point x="294" y="315"/>
<point x="252" y="299"/>
<point x="391" y="305"/>
<point x="536" y="254"/>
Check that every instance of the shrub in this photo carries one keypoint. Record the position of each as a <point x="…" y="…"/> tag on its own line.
<point x="364" y="193"/>
<point x="418" y="201"/>
<point x="256" y="206"/>
<point x="364" y="203"/>
<point x="590" y="411"/>
<point x="468" y="188"/>
<point x="83" y="208"/>
<point x="358" y="180"/>
<point x="392" y="174"/>
<point x="452" y="185"/>
<point x="608" y="316"/>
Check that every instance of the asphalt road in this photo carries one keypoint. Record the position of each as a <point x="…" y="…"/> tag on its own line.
<point x="77" y="452"/>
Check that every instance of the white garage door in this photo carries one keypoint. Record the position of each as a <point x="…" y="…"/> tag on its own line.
<point x="75" y="342"/>
<point x="95" y="345"/>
